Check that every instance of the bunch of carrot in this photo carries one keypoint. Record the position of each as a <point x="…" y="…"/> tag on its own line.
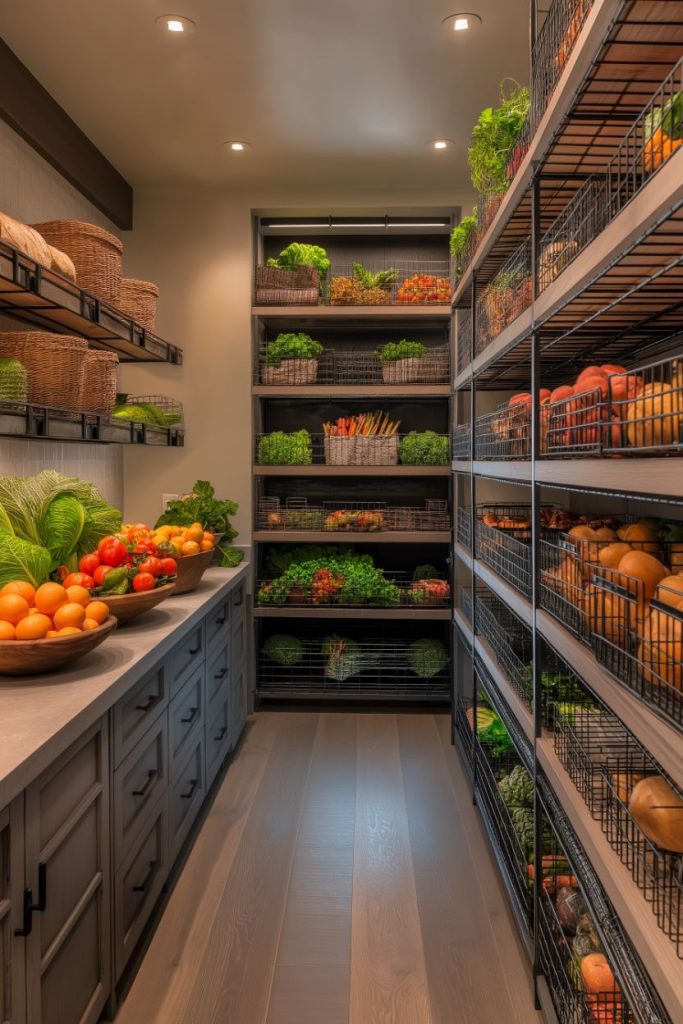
<point x="366" y="424"/>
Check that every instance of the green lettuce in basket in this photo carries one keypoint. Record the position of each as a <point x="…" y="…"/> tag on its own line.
<point x="145" y="412"/>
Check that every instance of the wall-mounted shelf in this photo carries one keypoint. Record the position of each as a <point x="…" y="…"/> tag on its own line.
<point x="386" y="614"/>
<point x="377" y="391"/>
<point x="349" y="537"/>
<point x="311" y="316"/>
<point x="371" y="471"/>
<point x="34" y="295"/>
<point x="39" y="422"/>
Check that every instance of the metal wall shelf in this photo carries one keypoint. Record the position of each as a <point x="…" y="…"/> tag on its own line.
<point x="40" y="422"/>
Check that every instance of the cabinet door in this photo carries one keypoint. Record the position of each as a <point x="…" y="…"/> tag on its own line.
<point x="67" y="869"/>
<point x="12" y="983"/>
<point x="186" y="716"/>
<point x="238" y="704"/>
<point x="217" y="740"/>
<point x="217" y="678"/>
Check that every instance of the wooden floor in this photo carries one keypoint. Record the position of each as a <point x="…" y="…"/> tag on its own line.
<point x="341" y="877"/>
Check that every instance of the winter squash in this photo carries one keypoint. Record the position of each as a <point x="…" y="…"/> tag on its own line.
<point x="597" y="975"/>
<point x="658" y="811"/>
<point x="639" y="573"/>
<point x="661" y="649"/>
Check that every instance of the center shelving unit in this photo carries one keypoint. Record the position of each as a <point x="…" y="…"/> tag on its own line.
<point x="580" y="265"/>
<point x="354" y="645"/>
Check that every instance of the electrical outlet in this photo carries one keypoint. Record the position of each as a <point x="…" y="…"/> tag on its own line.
<point x="165" y="499"/>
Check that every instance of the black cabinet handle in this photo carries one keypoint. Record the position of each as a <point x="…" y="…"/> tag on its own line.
<point x="191" y="717"/>
<point x="147" y="704"/>
<point x="221" y="734"/>
<point x="239" y="599"/>
<point x="30" y="906"/>
<point x="151" y="775"/>
<point x="222" y="674"/>
<point x="190" y="793"/>
<point x="195" y="650"/>
<point x="221" y="621"/>
<point x="148" y="878"/>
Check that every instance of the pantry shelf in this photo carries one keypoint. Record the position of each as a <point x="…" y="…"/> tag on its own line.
<point x="354" y="471"/>
<point x="39" y="422"/>
<point x="377" y="391"/>
<point x="350" y="537"/>
<point x="656" y="951"/>
<point x="34" y="295"/>
<point x="312" y="316"/>
<point x="330" y="612"/>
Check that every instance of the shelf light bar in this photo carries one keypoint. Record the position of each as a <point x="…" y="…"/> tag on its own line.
<point x="327" y="225"/>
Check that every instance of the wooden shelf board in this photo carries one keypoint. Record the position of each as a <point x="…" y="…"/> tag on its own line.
<point x="353" y="391"/>
<point x="517" y="470"/>
<point x="656" y="951"/>
<point x="352" y="697"/>
<point x="647" y="477"/>
<point x="348" y="537"/>
<point x="342" y="314"/>
<point x="318" y="470"/>
<point x="463" y="625"/>
<point x="386" y="614"/>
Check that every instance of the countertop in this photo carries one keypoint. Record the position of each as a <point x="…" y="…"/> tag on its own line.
<point x="41" y="715"/>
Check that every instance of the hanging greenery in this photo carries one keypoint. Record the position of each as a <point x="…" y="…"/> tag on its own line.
<point x="494" y="137"/>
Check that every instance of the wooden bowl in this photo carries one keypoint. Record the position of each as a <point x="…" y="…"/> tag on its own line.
<point x="191" y="568"/>
<point x="129" y="606"/>
<point x="35" y="657"/>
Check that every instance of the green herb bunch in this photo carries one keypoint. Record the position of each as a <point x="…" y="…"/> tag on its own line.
<point x="360" y="582"/>
<point x="460" y="237"/>
<point x="281" y="449"/>
<point x="292" y="346"/>
<point x="298" y="254"/>
<point x="494" y="137"/>
<point x="202" y="506"/>
<point x="283" y="650"/>
<point x="395" y="350"/>
<point x="424" y="448"/>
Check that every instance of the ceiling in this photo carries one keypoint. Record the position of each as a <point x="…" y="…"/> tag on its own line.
<point x="346" y="92"/>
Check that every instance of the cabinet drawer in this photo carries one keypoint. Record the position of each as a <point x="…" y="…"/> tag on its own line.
<point x="138" y="883"/>
<point x="218" y="623"/>
<point x="186" y="795"/>
<point x="184" y="658"/>
<point x="217" y="677"/>
<point x="138" y="784"/>
<point x="135" y="713"/>
<point x="187" y="714"/>
<point x="217" y="742"/>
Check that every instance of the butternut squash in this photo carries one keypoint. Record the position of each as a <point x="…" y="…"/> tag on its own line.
<point x="661" y="649"/>
<point x="597" y="975"/>
<point x="658" y="811"/>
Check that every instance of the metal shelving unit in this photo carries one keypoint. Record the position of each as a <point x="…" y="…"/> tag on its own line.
<point x="591" y="229"/>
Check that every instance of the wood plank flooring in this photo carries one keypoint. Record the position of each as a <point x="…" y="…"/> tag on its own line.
<point x="341" y="877"/>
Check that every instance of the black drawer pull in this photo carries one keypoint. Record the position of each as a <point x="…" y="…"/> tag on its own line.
<point x="221" y="734"/>
<point x="239" y="600"/>
<point x="191" y="717"/>
<point x="148" y="878"/>
<point x="190" y="793"/>
<point x="221" y="621"/>
<point x="151" y="700"/>
<point x="30" y="906"/>
<point x="195" y="650"/>
<point x="151" y="775"/>
<point x="222" y="674"/>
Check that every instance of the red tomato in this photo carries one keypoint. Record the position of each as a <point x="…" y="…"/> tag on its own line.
<point x="143" y="581"/>
<point x="62" y="573"/>
<point x="112" y="551"/>
<point x="100" y="572"/>
<point x="151" y="565"/>
<point x="89" y="563"/>
<point x="169" y="566"/>
<point x="145" y="547"/>
<point x="79" y="579"/>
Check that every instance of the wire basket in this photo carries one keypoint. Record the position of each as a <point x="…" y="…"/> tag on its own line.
<point x="296" y="514"/>
<point x="464" y="339"/>
<point x="153" y="410"/>
<point x="95" y="253"/>
<point x="502" y="541"/>
<point x="331" y="588"/>
<point x="510" y="642"/>
<point x="505" y="298"/>
<point x="402" y="282"/>
<point x="361" y="451"/>
<point x="504" y="433"/>
<point x="463" y="528"/>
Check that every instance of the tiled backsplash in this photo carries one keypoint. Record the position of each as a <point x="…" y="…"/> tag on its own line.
<point x="101" y="465"/>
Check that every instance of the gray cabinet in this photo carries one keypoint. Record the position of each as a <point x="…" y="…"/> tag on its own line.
<point x="67" y="851"/>
<point x="217" y="737"/>
<point x="12" y="959"/>
<point x="139" y="782"/>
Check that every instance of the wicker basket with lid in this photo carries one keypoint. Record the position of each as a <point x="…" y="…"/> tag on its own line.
<point x="54" y="365"/>
<point x="138" y="300"/>
<point x="98" y="388"/>
<point x="96" y="255"/>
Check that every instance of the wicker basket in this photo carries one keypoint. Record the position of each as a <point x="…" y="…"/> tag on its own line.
<point x="291" y="371"/>
<point x="278" y="287"/>
<point x="26" y="239"/>
<point x="54" y="365"/>
<point x="98" y="390"/>
<point x="402" y="371"/>
<point x="436" y="365"/>
<point x="61" y="263"/>
<point x="138" y="300"/>
<point x="96" y="255"/>
<point x="361" y="451"/>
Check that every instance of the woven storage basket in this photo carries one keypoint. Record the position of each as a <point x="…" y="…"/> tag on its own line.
<point x="54" y="365"/>
<point x="96" y="255"/>
<point x="62" y="264"/>
<point x="291" y="371"/>
<point x="278" y="287"/>
<point x="138" y="300"/>
<point x="98" y="390"/>
<point x="402" y="371"/>
<point x="435" y="367"/>
<point x="361" y="451"/>
<point x="339" y="450"/>
<point x="13" y="381"/>
<point x="21" y="236"/>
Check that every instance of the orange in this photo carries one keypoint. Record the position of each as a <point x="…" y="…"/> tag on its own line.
<point x="177" y="544"/>
<point x="78" y="595"/>
<point x="195" y="533"/>
<point x="70" y="614"/>
<point x="6" y="630"/>
<point x="51" y="632"/>
<point x="206" y="545"/>
<point x="33" y="627"/>
<point x="97" y="610"/>
<point x="173" y="531"/>
<point x="26" y="590"/>
<point x="49" y="597"/>
<point x="190" y="547"/>
<point x="90" y="624"/>
<point x="209" y="537"/>
<point x="68" y="631"/>
<point x="13" y="607"/>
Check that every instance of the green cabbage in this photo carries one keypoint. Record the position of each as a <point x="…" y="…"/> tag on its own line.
<point x="427" y="657"/>
<point x="62" y="526"/>
<point x="21" y="560"/>
<point x="283" y="650"/>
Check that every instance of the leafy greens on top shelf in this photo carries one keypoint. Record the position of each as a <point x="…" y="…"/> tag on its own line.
<point x="201" y="506"/>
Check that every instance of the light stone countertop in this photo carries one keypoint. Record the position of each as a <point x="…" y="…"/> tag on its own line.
<point x="41" y="715"/>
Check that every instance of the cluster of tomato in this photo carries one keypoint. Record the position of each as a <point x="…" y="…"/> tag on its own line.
<point x="135" y="566"/>
<point x="430" y="592"/>
<point x="422" y="288"/>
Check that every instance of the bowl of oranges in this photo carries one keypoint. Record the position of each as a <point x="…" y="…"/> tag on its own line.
<point x="193" y="548"/>
<point x="48" y="627"/>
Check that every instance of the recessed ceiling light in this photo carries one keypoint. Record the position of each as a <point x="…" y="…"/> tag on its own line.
<point x="441" y="144"/>
<point x="175" y="24"/>
<point x="462" y="21"/>
<point x="237" y="147"/>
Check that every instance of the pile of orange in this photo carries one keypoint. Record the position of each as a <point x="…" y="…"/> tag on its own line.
<point x="185" y="540"/>
<point x="51" y="610"/>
